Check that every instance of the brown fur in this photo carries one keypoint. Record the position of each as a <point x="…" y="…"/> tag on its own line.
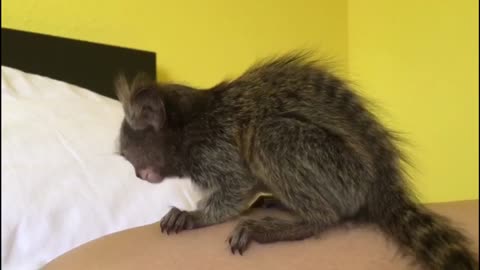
<point x="289" y="127"/>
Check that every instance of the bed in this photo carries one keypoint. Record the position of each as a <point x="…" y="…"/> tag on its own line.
<point x="86" y="64"/>
<point x="63" y="184"/>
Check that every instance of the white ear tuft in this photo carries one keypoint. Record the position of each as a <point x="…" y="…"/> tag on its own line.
<point x="122" y="89"/>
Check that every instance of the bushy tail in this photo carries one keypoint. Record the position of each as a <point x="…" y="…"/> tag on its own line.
<point x="428" y="237"/>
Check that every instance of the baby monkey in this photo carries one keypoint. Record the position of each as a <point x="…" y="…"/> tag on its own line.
<point x="287" y="127"/>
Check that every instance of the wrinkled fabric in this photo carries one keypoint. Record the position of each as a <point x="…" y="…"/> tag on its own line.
<point x="62" y="182"/>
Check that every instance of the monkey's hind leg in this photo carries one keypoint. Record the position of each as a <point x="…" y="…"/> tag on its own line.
<point x="267" y="230"/>
<point x="309" y="171"/>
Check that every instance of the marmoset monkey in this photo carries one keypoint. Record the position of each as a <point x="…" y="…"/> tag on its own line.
<point x="290" y="127"/>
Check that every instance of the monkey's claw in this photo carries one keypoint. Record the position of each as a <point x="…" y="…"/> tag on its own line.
<point x="176" y="221"/>
<point x="240" y="238"/>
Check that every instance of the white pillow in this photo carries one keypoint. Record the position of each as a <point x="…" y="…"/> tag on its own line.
<point x="62" y="183"/>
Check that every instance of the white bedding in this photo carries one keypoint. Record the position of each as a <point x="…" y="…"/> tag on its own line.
<point x="62" y="183"/>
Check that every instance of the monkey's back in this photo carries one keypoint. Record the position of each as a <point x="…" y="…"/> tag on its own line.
<point x="297" y="88"/>
<point x="309" y="110"/>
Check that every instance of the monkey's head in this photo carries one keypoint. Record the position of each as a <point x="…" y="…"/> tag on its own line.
<point x="144" y="131"/>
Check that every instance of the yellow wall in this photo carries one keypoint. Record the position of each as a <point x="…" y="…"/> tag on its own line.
<point x="197" y="42"/>
<point x="417" y="59"/>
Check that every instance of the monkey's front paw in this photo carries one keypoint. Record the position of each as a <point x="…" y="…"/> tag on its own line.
<point x="241" y="237"/>
<point x="176" y="220"/>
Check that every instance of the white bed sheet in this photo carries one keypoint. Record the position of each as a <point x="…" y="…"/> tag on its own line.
<point x="62" y="183"/>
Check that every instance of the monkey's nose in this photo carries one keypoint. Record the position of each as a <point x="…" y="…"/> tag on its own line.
<point x="142" y="174"/>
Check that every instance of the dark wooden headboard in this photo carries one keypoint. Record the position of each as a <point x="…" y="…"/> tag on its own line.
<point x="85" y="64"/>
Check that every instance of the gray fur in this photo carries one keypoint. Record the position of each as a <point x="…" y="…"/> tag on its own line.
<point x="289" y="127"/>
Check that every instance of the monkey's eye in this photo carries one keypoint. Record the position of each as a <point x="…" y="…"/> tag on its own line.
<point x="147" y="110"/>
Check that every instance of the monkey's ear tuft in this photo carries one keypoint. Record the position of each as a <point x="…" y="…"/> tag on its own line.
<point x="122" y="89"/>
<point x="126" y="92"/>
<point x="141" y="101"/>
